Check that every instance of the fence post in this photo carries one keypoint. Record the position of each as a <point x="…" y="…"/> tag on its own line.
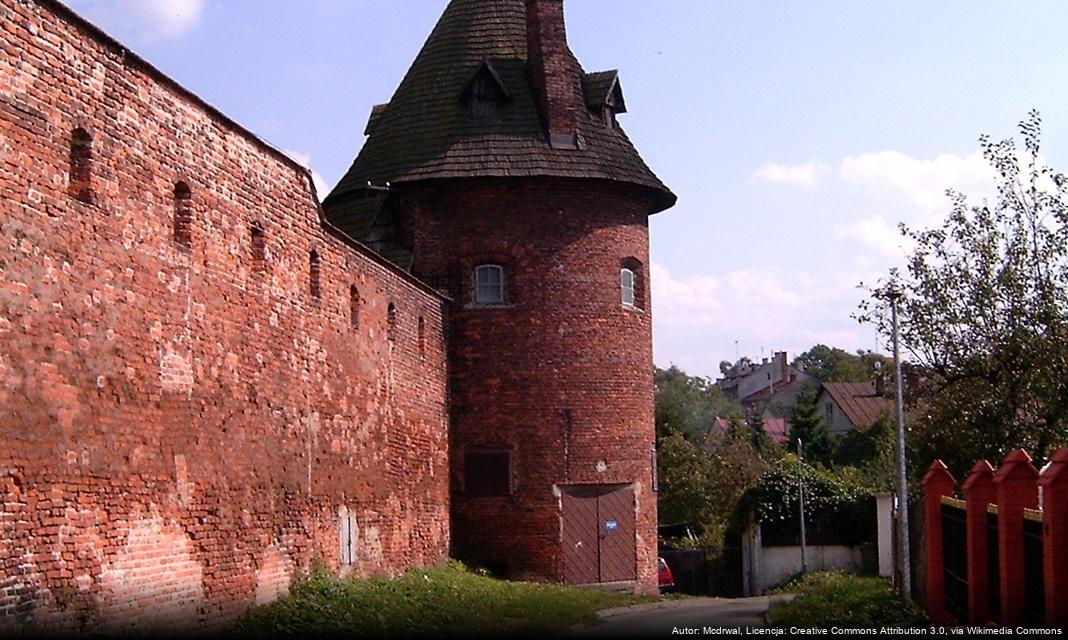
<point x="936" y="483"/>
<point x="978" y="492"/>
<point x="1054" y="487"/>
<point x="1016" y="487"/>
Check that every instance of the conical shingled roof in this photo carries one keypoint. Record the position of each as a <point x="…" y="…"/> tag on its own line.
<point x="425" y="133"/>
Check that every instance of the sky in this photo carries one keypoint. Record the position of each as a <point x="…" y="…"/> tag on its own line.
<point x="797" y="135"/>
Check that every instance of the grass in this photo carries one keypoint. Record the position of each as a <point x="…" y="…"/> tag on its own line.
<point x="443" y="601"/>
<point x="833" y="598"/>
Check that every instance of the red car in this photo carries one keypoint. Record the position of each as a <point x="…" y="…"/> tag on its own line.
<point x="664" y="577"/>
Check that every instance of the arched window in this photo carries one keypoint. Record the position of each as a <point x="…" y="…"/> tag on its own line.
<point x="626" y="278"/>
<point x="313" y="276"/>
<point x="183" y="215"/>
<point x="632" y="284"/>
<point x="391" y="322"/>
<point x="259" y="246"/>
<point x="354" y="306"/>
<point x="81" y="165"/>
<point x="489" y="284"/>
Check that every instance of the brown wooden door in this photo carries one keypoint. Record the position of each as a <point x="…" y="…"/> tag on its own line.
<point x="598" y="534"/>
<point x="615" y="511"/>
<point x="580" y="539"/>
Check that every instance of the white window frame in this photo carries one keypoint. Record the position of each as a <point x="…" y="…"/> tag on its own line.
<point x="486" y="291"/>
<point x="627" y="287"/>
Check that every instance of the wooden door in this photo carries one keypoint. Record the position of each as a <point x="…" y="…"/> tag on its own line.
<point x="598" y="534"/>
<point x="618" y="560"/>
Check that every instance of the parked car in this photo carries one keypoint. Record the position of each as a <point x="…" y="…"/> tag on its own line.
<point x="677" y="532"/>
<point x="664" y="577"/>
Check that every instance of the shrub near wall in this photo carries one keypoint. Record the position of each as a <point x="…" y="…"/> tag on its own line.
<point x="832" y="499"/>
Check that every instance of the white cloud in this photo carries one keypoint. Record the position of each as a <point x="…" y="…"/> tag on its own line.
<point x="151" y="18"/>
<point x="304" y="160"/>
<point x="698" y="318"/>
<point x="802" y="175"/>
<point x="878" y="234"/>
<point x="922" y="183"/>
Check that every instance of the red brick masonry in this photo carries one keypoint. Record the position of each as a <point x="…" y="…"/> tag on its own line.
<point x="184" y="424"/>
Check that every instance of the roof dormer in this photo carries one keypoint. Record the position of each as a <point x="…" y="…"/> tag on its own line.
<point x="604" y="96"/>
<point x="376" y="113"/>
<point x="484" y="93"/>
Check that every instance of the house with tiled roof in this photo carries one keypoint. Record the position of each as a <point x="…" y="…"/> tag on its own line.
<point x="852" y="405"/>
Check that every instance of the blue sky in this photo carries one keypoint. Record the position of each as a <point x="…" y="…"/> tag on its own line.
<point x="796" y="134"/>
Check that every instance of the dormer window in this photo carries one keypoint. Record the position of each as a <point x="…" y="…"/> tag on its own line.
<point x="484" y="94"/>
<point x="604" y="96"/>
<point x="489" y="284"/>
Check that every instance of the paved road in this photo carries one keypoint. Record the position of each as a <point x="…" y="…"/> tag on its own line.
<point x="673" y="618"/>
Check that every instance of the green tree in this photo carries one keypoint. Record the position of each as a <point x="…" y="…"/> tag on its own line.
<point x="688" y="405"/>
<point x="702" y="484"/>
<point x="984" y="315"/>
<point x="806" y="423"/>
<point x="831" y="364"/>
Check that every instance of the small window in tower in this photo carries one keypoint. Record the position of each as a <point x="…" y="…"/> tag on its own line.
<point x="314" y="286"/>
<point x="626" y="277"/>
<point x="487" y="472"/>
<point x="391" y="322"/>
<point x="632" y="284"/>
<point x="183" y="215"/>
<point x="489" y="284"/>
<point x="259" y="246"/>
<point x="354" y="306"/>
<point x="81" y="160"/>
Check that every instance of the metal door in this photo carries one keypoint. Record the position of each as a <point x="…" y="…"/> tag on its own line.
<point x="598" y="534"/>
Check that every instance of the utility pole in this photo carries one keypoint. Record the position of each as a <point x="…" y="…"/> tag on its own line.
<point x="801" y="500"/>
<point x="903" y="556"/>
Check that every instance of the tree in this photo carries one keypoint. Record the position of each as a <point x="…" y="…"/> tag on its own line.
<point x="689" y="404"/>
<point x="807" y="424"/>
<point x="702" y="484"/>
<point x="984" y="315"/>
<point x="831" y="364"/>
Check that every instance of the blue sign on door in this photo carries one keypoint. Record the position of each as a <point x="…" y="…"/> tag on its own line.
<point x="610" y="525"/>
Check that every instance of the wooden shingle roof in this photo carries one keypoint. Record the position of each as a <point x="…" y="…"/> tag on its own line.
<point x="424" y="133"/>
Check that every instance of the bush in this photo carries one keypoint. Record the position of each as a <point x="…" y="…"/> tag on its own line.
<point x="831" y="498"/>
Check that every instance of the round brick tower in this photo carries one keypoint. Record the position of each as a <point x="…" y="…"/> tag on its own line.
<point x="498" y="173"/>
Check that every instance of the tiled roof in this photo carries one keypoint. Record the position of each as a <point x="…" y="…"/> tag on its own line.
<point x="859" y="401"/>
<point x="424" y="133"/>
<point x="776" y="429"/>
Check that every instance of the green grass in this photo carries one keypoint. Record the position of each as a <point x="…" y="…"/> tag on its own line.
<point x="833" y="598"/>
<point x="443" y="601"/>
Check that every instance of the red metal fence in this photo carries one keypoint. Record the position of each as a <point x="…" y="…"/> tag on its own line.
<point x="1000" y="554"/>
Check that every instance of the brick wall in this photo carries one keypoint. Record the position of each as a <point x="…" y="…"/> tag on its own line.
<point x="551" y="68"/>
<point x="183" y="427"/>
<point x="561" y="373"/>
